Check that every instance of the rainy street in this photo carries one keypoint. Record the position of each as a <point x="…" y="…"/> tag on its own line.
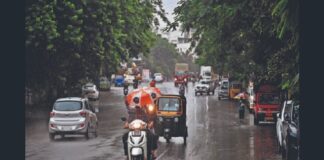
<point x="214" y="132"/>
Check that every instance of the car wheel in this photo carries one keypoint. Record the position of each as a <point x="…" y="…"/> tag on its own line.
<point x="256" y="120"/>
<point x="52" y="136"/>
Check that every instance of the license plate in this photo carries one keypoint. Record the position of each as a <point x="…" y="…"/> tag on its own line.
<point x="66" y="128"/>
<point x="269" y="118"/>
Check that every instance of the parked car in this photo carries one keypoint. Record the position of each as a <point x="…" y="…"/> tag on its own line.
<point x="205" y="86"/>
<point x="119" y="81"/>
<point x="223" y="91"/>
<point x="292" y="145"/>
<point x="158" y="77"/>
<point x="90" y="91"/>
<point x="72" y="115"/>
<point x="286" y="108"/>
<point x="104" y="83"/>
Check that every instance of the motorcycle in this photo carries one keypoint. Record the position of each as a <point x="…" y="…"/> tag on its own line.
<point x="137" y="141"/>
<point x="125" y="90"/>
<point x="182" y="90"/>
<point x="135" y="84"/>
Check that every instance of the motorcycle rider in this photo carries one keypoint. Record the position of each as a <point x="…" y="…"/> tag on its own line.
<point x="139" y="113"/>
<point x="153" y="82"/>
<point x="182" y="89"/>
<point x="241" y="108"/>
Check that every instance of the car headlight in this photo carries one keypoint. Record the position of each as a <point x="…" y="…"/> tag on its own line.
<point x="160" y="119"/>
<point x="176" y="119"/>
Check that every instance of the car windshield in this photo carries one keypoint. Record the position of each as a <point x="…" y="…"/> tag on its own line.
<point x="207" y="74"/>
<point x="204" y="82"/>
<point x="236" y="86"/>
<point x="67" y="106"/>
<point x="180" y="73"/>
<point x="169" y="104"/>
<point x="269" y="99"/>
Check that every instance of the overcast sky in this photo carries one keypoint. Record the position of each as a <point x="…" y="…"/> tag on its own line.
<point x="168" y="6"/>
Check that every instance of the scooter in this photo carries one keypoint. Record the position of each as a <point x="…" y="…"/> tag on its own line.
<point x="125" y="90"/>
<point x="137" y="141"/>
<point x="182" y="90"/>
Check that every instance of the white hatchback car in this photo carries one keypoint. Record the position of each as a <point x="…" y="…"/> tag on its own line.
<point x="90" y="91"/>
<point x="72" y="115"/>
<point x="280" y="127"/>
<point x="158" y="77"/>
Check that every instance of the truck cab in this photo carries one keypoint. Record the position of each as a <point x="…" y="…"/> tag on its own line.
<point x="266" y="103"/>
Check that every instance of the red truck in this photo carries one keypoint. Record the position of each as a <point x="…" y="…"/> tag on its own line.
<point x="181" y="74"/>
<point x="266" y="103"/>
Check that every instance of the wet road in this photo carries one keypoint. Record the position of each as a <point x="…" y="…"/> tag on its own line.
<point x="214" y="129"/>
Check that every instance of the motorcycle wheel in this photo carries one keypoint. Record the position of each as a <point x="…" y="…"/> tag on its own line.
<point x="167" y="140"/>
<point x="137" y="158"/>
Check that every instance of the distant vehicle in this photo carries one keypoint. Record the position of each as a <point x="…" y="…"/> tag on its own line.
<point x="72" y="115"/>
<point x="292" y="146"/>
<point x="204" y="86"/>
<point x="281" y="125"/>
<point x="129" y="78"/>
<point x="266" y="103"/>
<point x="234" y="89"/>
<point x="181" y="74"/>
<point x="104" y="83"/>
<point x="90" y="91"/>
<point x="145" y="75"/>
<point x="206" y="72"/>
<point x="119" y="81"/>
<point x="251" y="98"/>
<point x="223" y="91"/>
<point x="158" y="77"/>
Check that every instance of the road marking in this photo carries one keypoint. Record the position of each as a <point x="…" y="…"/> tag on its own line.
<point x="161" y="155"/>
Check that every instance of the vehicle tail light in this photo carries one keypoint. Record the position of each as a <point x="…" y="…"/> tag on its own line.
<point x="82" y="125"/>
<point x="52" y="114"/>
<point x="178" y="113"/>
<point x="52" y="126"/>
<point x="83" y="114"/>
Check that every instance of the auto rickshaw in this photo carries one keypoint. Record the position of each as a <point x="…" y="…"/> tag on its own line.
<point x="171" y="117"/>
<point x="234" y="89"/>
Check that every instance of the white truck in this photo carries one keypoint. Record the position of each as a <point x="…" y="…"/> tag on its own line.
<point x="206" y="72"/>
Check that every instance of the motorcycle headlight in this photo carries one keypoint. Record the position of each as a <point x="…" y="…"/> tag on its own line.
<point x="185" y="79"/>
<point x="137" y="126"/>
<point x="252" y="98"/>
<point x="176" y="119"/>
<point x="175" y="79"/>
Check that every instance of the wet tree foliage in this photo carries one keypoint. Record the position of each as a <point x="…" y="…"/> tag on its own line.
<point x="246" y="38"/>
<point x="69" y="41"/>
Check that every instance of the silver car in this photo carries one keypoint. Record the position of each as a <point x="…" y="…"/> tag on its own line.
<point x="72" y="115"/>
<point x="90" y="91"/>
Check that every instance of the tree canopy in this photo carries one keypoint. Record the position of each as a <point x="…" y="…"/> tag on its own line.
<point x="244" y="38"/>
<point x="68" y="41"/>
